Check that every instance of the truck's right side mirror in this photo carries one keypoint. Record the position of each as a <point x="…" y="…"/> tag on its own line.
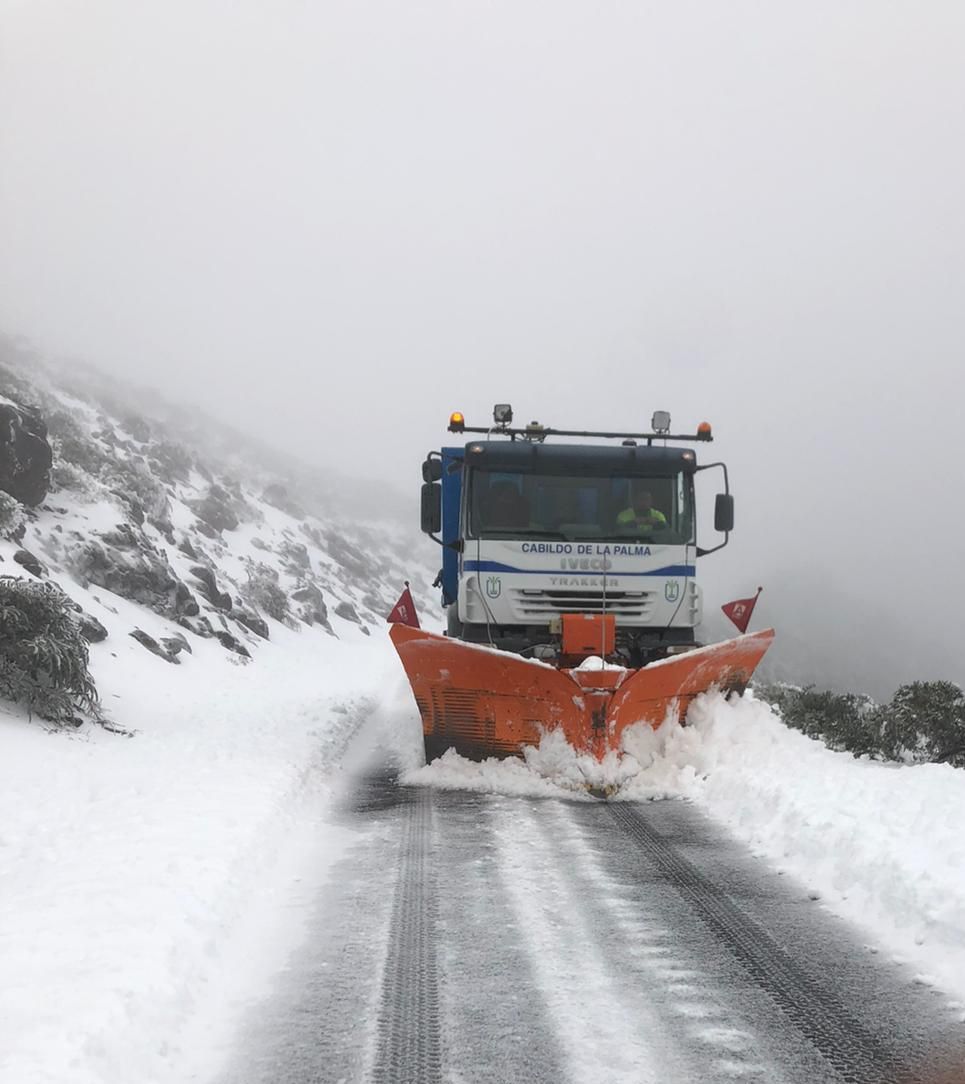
<point x="432" y="508"/>
<point x="724" y="513"/>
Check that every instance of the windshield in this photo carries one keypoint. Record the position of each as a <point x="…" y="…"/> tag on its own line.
<point x="507" y="504"/>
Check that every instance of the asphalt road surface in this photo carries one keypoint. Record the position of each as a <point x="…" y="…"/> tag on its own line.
<point x="477" y="938"/>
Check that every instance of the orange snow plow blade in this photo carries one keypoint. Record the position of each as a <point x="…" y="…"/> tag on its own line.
<point x="488" y="703"/>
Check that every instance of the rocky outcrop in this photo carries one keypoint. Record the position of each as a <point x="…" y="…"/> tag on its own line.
<point x="125" y="562"/>
<point x="90" y="628"/>
<point x="347" y="612"/>
<point x="32" y="564"/>
<point x="215" y="511"/>
<point x="312" y="609"/>
<point x="219" y="599"/>
<point x="148" y="641"/>
<point x="25" y="455"/>
<point x="252" y="622"/>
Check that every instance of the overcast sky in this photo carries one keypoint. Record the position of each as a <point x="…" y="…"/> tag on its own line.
<point x="339" y="221"/>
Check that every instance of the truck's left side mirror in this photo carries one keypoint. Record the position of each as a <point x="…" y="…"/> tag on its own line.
<point x="432" y="508"/>
<point x="724" y="513"/>
<point x="432" y="469"/>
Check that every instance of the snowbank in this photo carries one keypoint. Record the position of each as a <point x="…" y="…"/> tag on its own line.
<point x="879" y="844"/>
<point x="130" y="866"/>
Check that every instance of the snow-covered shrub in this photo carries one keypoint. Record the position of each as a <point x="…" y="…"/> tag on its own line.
<point x="264" y="592"/>
<point x="925" y="723"/>
<point x="12" y="516"/>
<point x="133" y="481"/>
<point x="43" y="655"/>
<point x="841" y="720"/>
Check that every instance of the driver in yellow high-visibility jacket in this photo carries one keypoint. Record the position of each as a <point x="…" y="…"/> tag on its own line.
<point x="641" y="513"/>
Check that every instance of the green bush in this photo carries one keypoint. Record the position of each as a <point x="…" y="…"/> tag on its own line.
<point x="840" y="720"/>
<point x="924" y="723"/>
<point x="43" y="656"/>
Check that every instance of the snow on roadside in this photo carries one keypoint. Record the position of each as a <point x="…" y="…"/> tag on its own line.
<point x="128" y="864"/>
<point x="880" y="844"/>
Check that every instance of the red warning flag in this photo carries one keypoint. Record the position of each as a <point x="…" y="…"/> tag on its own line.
<point x="740" y="610"/>
<point x="403" y="612"/>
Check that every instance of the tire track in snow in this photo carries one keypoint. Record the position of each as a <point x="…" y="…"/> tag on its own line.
<point x="409" y="1045"/>
<point x="852" y="1052"/>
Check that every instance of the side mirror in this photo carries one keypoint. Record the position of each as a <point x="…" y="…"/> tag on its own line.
<point x="431" y="508"/>
<point x="432" y="469"/>
<point x="724" y="513"/>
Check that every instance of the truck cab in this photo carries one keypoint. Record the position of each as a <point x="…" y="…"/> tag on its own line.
<point x="533" y="530"/>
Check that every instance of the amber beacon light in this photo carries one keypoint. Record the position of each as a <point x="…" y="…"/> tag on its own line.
<point x="457" y="421"/>
<point x="704" y="431"/>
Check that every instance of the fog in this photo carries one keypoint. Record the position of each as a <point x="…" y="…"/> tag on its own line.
<point x="333" y="223"/>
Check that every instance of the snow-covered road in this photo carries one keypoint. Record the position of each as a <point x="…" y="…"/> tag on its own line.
<point x="474" y="937"/>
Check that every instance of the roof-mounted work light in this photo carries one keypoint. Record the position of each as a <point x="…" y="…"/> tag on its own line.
<point x="457" y="421"/>
<point x="502" y="413"/>
<point x="661" y="421"/>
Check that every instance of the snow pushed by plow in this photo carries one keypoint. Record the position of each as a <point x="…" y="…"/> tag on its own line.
<point x="879" y="844"/>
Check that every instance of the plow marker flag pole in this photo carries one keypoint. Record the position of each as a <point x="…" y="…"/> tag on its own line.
<point x="740" y="610"/>
<point x="403" y="612"/>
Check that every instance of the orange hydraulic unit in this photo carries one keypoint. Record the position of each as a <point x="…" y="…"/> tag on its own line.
<point x="588" y="634"/>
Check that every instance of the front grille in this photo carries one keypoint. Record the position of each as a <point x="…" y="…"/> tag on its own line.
<point x="536" y="603"/>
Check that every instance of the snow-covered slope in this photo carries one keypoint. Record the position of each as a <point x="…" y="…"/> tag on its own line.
<point x="131" y="866"/>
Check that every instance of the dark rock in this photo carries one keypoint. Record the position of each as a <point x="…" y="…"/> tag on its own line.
<point x="25" y="455"/>
<point x="90" y="628"/>
<point x="32" y="564"/>
<point x="219" y="599"/>
<point x="347" y="611"/>
<point x="187" y="549"/>
<point x="185" y="604"/>
<point x="313" y="610"/>
<point x="200" y="626"/>
<point x="154" y="647"/>
<point x="125" y="562"/>
<point x="175" y="644"/>
<point x="257" y="625"/>
<point x="215" y="510"/>
<point x="232" y="643"/>
<point x="206" y="529"/>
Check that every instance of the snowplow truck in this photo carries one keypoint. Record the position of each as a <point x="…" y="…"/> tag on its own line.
<point x="569" y="583"/>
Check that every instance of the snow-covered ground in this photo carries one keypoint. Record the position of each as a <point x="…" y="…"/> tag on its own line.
<point x="138" y="873"/>
<point x="879" y="844"/>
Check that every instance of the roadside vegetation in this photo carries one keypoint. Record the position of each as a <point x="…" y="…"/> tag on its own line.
<point x="43" y="654"/>
<point x="924" y="723"/>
